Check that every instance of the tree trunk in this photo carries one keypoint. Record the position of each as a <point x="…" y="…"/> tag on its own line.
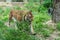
<point x="56" y="12"/>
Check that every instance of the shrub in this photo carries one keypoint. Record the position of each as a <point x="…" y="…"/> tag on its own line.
<point x="58" y="26"/>
<point x="8" y="33"/>
<point x="20" y="34"/>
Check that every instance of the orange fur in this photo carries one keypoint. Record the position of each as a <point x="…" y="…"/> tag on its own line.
<point x="20" y="15"/>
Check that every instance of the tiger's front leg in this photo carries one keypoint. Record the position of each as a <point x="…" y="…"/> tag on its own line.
<point x="32" y="29"/>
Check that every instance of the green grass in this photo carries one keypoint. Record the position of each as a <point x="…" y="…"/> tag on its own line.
<point x="58" y="26"/>
<point x="39" y="28"/>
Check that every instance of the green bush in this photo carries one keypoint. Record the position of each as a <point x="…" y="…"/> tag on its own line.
<point x="58" y="26"/>
<point x="23" y="27"/>
<point x="8" y="33"/>
<point x="11" y="34"/>
<point x="45" y="32"/>
<point x="48" y="3"/>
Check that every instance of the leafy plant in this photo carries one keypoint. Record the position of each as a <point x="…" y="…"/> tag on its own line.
<point x="9" y="33"/>
<point x="58" y="26"/>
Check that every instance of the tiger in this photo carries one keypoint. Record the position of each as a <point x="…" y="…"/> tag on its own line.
<point x="19" y="15"/>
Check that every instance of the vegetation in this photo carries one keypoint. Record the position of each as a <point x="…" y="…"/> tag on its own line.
<point x="58" y="26"/>
<point x="40" y="14"/>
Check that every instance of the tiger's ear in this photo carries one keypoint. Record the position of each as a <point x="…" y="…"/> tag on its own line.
<point x="30" y="12"/>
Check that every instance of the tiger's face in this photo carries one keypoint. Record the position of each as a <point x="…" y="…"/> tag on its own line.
<point x="29" y="17"/>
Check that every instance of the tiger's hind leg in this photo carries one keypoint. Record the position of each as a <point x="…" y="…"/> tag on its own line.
<point x="10" y="17"/>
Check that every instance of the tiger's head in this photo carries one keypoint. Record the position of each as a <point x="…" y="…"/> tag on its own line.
<point x="28" y="17"/>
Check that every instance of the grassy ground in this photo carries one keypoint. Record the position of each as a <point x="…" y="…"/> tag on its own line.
<point x="43" y="32"/>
